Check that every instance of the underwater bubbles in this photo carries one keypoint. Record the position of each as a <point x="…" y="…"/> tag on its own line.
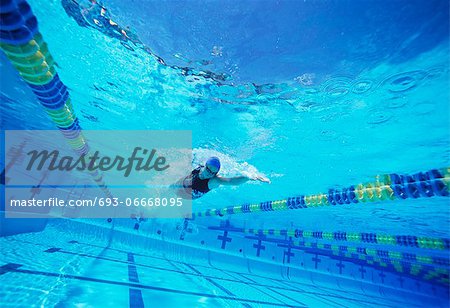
<point x="217" y="51"/>
<point x="362" y="86"/>
<point x="403" y="81"/>
<point x="397" y="102"/>
<point x="378" y="117"/>
<point x="336" y="86"/>
<point x="306" y="79"/>
<point x="436" y="72"/>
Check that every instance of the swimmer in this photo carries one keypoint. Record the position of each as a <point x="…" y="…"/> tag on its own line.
<point x="204" y="178"/>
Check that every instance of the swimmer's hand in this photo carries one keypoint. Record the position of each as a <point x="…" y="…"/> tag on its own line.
<point x="260" y="178"/>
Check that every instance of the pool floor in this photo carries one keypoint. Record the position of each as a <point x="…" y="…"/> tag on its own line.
<point x="54" y="268"/>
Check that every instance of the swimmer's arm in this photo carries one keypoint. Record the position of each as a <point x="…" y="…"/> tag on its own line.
<point x="215" y="182"/>
<point x="231" y="181"/>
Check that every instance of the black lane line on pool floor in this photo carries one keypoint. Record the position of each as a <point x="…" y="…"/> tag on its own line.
<point x="282" y="285"/>
<point x="214" y="283"/>
<point x="190" y="276"/>
<point x="254" y="284"/>
<point x="136" y="300"/>
<point x="286" y="296"/>
<point x="272" y="289"/>
<point x="14" y="268"/>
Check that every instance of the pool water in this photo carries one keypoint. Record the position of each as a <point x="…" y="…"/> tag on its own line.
<point x="314" y="95"/>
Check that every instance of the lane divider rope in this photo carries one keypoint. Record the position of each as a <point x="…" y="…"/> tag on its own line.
<point x="435" y="182"/>
<point x="25" y="47"/>
<point x="371" y="238"/>
<point x="371" y="257"/>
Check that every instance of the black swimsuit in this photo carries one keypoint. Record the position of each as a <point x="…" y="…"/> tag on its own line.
<point x="199" y="187"/>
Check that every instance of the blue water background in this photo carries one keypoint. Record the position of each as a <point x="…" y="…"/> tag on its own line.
<point x="317" y="95"/>
<point x="320" y="94"/>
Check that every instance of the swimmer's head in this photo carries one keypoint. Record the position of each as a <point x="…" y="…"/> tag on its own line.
<point x="212" y="166"/>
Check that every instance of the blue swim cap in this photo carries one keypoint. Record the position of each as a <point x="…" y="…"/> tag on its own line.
<point x="213" y="161"/>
